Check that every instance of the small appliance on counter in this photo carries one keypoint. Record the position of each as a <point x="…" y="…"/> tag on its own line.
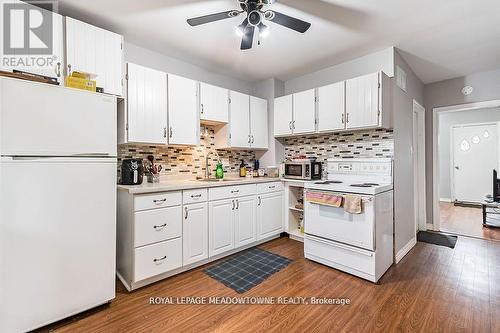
<point x="132" y="171"/>
<point x="303" y="169"/>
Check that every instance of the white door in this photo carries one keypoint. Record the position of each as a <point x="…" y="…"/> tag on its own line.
<point x="214" y="103"/>
<point x="51" y="65"/>
<point x="58" y="222"/>
<point x="195" y="233"/>
<point x="55" y="120"/>
<point x="245" y="221"/>
<point x="183" y="118"/>
<point x="269" y="215"/>
<point x="240" y="120"/>
<point x="283" y="115"/>
<point x="147" y="105"/>
<point x="475" y="155"/>
<point x="331" y="107"/>
<point x="362" y="101"/>
<point x="259" y="123"/>
<point x="221" y="226"/>
<point x="97" y="51"/>
<point x="304" y="112"/>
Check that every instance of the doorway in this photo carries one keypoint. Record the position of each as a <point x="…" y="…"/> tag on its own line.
<point x="465" y="153"/>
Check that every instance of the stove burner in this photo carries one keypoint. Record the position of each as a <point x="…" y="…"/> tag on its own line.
<point x="328" y="182"/>
<point x="365" y="185"/>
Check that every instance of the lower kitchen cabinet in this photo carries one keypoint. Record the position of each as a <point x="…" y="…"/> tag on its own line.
<point x="245" y="221"/>
<point x="269" y="214"/>
<point x="195" y="233"/>
<point x="221" y="226"/>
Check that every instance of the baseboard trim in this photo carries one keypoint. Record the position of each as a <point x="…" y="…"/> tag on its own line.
<point x="404" y="251"/>
<point x="445" y="200"/>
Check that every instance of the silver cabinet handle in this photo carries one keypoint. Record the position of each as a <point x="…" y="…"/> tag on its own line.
<point x="232" y="208"/>
<point x="202" y="108"/>
<point x="158" y="227"/>
<point x="196" y="196"/>
<point x="253" y="139"/>
<point x="235" y="191"/>
<point x="343" y="118"/>
<point x="159" y="259"/>
<point x="260" y="201"/>
<point x="237" y="204"/>
<point x="58" y="69"/>
<point x="160" y="201"/>
<point x="164" y="132"/>
<point x="293" y="124"/>
<point x="249" y="139"/>
<point x="171" y="132"/>
<point x="272" y="187"/>
<point x="186" y="212"/>
<point x="347" y="119"/>
<point x="290" y="125"/>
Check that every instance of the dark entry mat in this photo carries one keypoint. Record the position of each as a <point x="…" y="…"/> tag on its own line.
<point x="437" y="239"/>
<point x="247" y="269"/>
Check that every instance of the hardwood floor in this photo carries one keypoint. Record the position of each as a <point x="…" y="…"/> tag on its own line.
<point x="433" y="289"/>
<point x="465" y="221"/>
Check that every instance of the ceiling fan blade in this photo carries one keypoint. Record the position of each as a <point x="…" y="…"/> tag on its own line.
<point x="290" y="22"/>
<point x="247" y="40"/>
<point x="212" y="18"/>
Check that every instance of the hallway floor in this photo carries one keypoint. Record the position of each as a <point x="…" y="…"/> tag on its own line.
<point x="465" y="221"/>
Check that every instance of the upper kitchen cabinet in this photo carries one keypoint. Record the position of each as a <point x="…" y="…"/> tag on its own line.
<point x="304" y="112"/>
<point x="97" y="51"/>
<point x="258" y="123"/>
<point x="146" y="105"/>
<point x="240" y="120"/>
<point x="50" y="37"/>
<point x="214" y="104"/>
<point x="331" y="107"/>
<point x="183" y="117"/>
<point x="368" y="103"/>
<point x="283" y="115"/>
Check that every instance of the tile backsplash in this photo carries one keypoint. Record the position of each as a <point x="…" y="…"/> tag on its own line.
<point x="358" y="144"/>
<point x="187" y="162"/>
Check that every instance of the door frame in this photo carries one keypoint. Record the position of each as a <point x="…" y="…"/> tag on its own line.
<point x="452" y="153"/>
<point x="436" y="225"/>
<point x="419" y="174"/>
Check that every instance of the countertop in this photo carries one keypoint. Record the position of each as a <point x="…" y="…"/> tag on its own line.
<point x="178" y="185"/>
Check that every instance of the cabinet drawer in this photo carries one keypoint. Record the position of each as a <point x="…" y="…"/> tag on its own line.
<point x="152" y="226"/>
<point x="228" y="192"/>
<point x="194" y="196"/>
<point x="158" y="258"/>
<point x="270" y="187"/>
<point x="157" y="200"/>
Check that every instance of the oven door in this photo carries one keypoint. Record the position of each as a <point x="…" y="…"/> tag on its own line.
<point x="295" y="170"/>
<point x="336" y="224"/>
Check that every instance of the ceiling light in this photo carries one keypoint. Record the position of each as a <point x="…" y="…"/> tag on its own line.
<point x="240" y="30"/>
<point x="263" y="30"/>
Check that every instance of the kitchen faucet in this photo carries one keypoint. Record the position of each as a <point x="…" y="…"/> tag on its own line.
<point x="207" y="166"/>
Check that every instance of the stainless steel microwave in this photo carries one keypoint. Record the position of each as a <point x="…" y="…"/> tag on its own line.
<point x="303" y="170"/>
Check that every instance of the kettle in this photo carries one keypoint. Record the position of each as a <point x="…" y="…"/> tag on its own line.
<point x="132" y="171"/>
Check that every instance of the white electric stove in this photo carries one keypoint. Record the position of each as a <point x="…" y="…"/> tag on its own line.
<point x="359" y="244"/>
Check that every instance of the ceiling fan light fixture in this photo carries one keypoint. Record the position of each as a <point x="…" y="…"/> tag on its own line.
<point x="263" y="30"/>
<point x="240" y="30"/>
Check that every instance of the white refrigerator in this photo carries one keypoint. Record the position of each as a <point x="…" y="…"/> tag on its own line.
<point x="57" y="203"/>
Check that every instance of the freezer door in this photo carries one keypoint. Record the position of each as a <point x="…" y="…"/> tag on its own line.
<point x="43" y="120"/>
<point x="57" y="239"/>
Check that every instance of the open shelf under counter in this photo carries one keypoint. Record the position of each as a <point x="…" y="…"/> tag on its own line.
<point x="296" y="209"/>
<point x="295" y="234"/>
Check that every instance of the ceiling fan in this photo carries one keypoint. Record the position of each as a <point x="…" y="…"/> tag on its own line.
<point x="256" y="15"/>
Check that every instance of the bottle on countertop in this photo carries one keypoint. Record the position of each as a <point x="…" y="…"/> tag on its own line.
<point x="243" y="169"/>
<point x="219" y="171"/>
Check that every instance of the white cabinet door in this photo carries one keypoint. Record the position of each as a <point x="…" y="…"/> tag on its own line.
<point x="331" y="107"/>
<point x="240" y="120"/>
<point x="269" y="215"/>
<point x="97" y="51"/>
<point x="195" y="233"/>
<point x="147" y="105"/>
<point x="283" y="115"/>
<point x="304" y="112"/>
<point x="259" y="123"/>
<point x="183" y="118"/>
<point x="245" y="221"/>
<point x="214" y="103"/>
<point x="51" y="64"/>
<point x="362" y="101"/>
<point x="221" y="226"/>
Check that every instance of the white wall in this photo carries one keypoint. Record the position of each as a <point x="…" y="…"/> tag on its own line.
<point x="148" y="58"/>
<point x="371" y="63"/>
<point x="446" y="121"/>
<point x="446" y="93"/>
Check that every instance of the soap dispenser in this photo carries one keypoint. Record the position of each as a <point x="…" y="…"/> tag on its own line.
<point x="243" y="169"/>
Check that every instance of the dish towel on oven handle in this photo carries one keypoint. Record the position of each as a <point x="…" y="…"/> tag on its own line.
<point x="323" y="198"/>
<point x="353" y="204"/>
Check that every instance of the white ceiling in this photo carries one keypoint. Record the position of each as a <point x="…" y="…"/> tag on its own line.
<point x="440" y="39"/>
